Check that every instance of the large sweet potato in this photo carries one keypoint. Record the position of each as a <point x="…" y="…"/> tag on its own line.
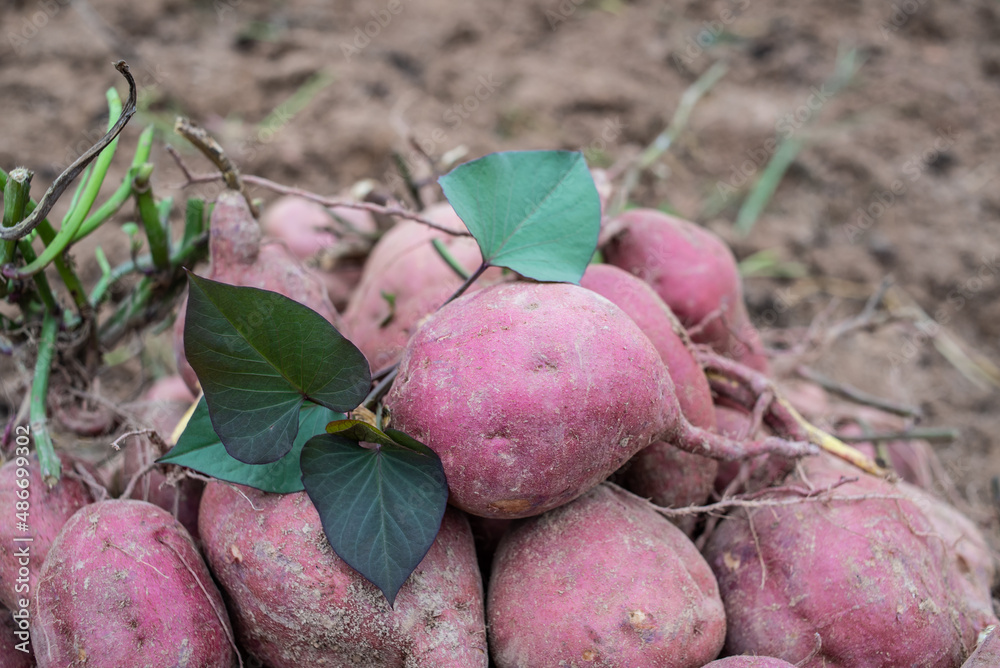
<point x="695" y="274"/>
<point x="665" y="474"/>
<point x="404" y="280"/>
<point x="749" y="662"/>
<point x="532" y="393"/>
<point x="873" y="577"/>
<point x="987" y="655"/>
<point x="123" y="585"/>
<point x="46" y="510"/>
<point x="604" y="581"/>
<point x="295" y="603"/>
<point x="239" y="258"/>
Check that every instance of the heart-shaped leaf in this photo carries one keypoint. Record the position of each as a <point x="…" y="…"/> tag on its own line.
<point x="381" y="506"/>
<point x="200" y="449"/>
<point x="259" y="355"/>
<point x="536" y="212"/>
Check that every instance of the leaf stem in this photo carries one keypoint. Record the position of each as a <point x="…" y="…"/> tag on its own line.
<point x="382" y="387"/>
<point x="159" y="241"/>
<point x="442" y="250"/>
<point x="39" y="390"/>
<point x="468" y="282"/>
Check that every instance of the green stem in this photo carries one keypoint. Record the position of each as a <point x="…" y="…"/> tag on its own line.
<point x="450" y="259"/>
<point x="66" y="272"/>
<point x="468" y="282"/>
<point x="75" y="218"/>
<point x="51" y="469"/>
<point x="124" y="191"/>
<point x="78" y="193"/>
<point x="194" y="220"/>
<point x="109" y="208"/>
<point x="41" y="281"/>
<point x="159" y="242"/>
<point x="919" y="433"/>
<point x="16" y="195"/>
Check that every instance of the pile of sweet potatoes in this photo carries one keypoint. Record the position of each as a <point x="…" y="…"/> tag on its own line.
<point x="575" y="424"/>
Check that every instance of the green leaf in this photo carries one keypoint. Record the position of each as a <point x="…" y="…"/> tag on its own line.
<point x="382" y="505"/>
<point x="200" y="449"/>
<point x="536" y="212"/>
<point x="259" y="355"/>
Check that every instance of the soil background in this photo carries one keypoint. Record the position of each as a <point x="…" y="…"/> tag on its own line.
<point x="912" y="142"/>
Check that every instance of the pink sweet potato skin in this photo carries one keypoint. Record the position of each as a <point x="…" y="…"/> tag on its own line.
<point x="295" y="603"/>
<point x="239" y="258"/>
<point x="180" y="498"/>
<point x="658" y="322"/>
<point x="405" y="265"/>
<point x="124" y="585"/>
<point x="872" y="577"/>
<point x="163" y="406"/>
<point x="695" y="273"/>
<point x="599" y="583"/>
<point x="531" y="394"/>
<point x="305" y="228"/>
<point x="667" y="475"/>
<point x="973" y="557"/>
<point x="749" y="662"/>
<point x="48" y="510"/>
<point x="987" y="655"/>
<point x="10" y="655"/>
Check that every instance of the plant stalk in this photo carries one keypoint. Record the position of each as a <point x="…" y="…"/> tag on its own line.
<point x="16" y="195"/>
<point x="75" y="217"/>
<point x="159" y="241"/>
<point x="51" y="469"/>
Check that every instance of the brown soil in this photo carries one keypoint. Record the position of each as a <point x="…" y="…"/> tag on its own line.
<point x="919" y="117"/>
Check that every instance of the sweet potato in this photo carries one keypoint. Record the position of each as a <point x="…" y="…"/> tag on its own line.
<point x="15" y="651"/>
<point x="405" y="280"/>
<point x="123" y="585"/>
<point x="749" y="662"/>
<point x="665" y="474"/>
<point x="638" y="300"/>
<point x="306" y="228"/>
<point x="295" y="603"/>
<point x="762" y="470"/>
<point x="987" y="655"/>
<point x="872" y="577"/>
<point x="695" y="273"/>
<point x="973" y="558"/>
<point x="239" y="258"/>
<point x="46" y="511"/>
<point x="604" y="581"/>
<point x="162" y="408"/>
<point x="532" y="393"/>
